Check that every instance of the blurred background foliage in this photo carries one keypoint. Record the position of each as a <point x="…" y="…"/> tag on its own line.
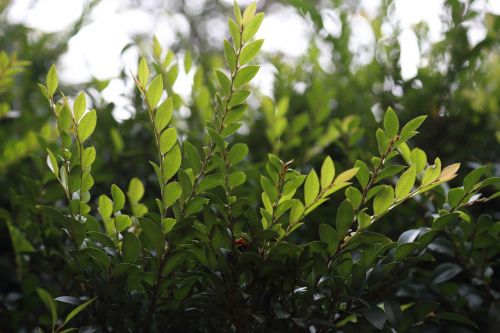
<point x="326" y="102"/>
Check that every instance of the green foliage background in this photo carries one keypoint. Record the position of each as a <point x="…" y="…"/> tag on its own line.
<point x="449" y="277"/>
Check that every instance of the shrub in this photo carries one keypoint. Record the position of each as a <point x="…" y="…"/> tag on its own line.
<point x="223" y="242"/>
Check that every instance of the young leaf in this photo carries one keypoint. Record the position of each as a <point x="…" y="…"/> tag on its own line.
<point x="171" y="193"/>
<point x="118" y="198"/>
<point x="171" y="163"/>
<point x="411" y="126"/>
<point x="250" y="51"/>
<point x="245" y="74"/>
<point x="87" y="125"/>
<point x="432" y="172"/>
<point x="234" y="30"/>
<point x="230" y="56"/>
<point x="406" y="182"/>
<point x="449" y="172"/>
<point x="164" y="114"/>
<point x="296" y="212"/>
<point x="52" y="163"/>
<point x="249" y="12"/>
<point x="346" y="176"/>
<point x="154" y="92"/>
<point x="105" y="206"/>
<point x="135" y="190"/>
<point x="363" y="174"/>
<point x="327" y="172"/>
<point x="311" y="188"/>
<point x="79" y="107"/>
<point x="391" y="123"/>
<point x="52" y="81"/>
<point x="383" y="200"/>
<point x="224" y="81"/>
<point x="65" y="118"/>
<point x="167" y="140"/>
<point x="143" y="73"/>
<point x="252" y="26"/>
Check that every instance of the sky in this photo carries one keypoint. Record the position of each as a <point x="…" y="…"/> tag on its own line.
<point x="96" y="50"/>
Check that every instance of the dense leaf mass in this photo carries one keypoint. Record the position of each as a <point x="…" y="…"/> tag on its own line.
<point x="320" y="209"/>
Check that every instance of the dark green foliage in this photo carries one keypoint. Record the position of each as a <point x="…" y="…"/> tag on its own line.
<point x="183" y="224"/>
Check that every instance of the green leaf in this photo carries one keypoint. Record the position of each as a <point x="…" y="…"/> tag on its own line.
<point x="52" y="81"/>
<point x="79" y="106"/>
<point x="383" y="200"/>
<point x="249" y="12"/>
<point x="52" y="163"/>
<point x="327" y="172"/>
<point x="328" y="235"/>
<point x="118" y="198"/>
<point x="210" y="181"/>
<point x="252" y="26"/>
<point x="406" y="182"/>
<point x="230" y="56"/>
<point x="122" y="222"/>
<point x="49" y="303"/>
<point x="473" y="177"/>
<point x="237" y="153"/>
<point x="131" y="248"/>
<point x="143" y="73"/>
<point x="164" y="114"/>
<point x="432" y="172"/>
<point x="77" y="310"/>
<point x="88" y="157"/>
<point x="171" y="163"/>
<point x="167" y="140"/>
<point x="419" y="158"/>
<point x="87" y="125"/>
<point x="224" y="81"/>
<point x="363" y="174"/>
<point x="345" y="176"/>
<point x="391" y="123"/>
<point x="65" y="118"/>
<point x="171" y="193"/>
<point x="154" y="92"/>
<point x="245" y="74"/>
<point x="408" y="129"/>
<point x="193" y="156"/>
<point x="311" y="188"/>
<point x="234" y="30"/>
<point x="250" y="51"/>
<point x="354" y="196"/>
<point x="135" y="190"/>
<point x="269" y="188"/>
<point x="296" y="212"/>
<point x="188" y="61"/>
<point x="345" y="217"/>
<point x="237" y="12"/>
<point x="238" y="98"/>
<point x="105" y="206"/>
<point x="154" y="233"/>
<point x="236" y="179"/>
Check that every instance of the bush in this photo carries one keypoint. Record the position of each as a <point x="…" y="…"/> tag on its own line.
<point x="223" y="235"/>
